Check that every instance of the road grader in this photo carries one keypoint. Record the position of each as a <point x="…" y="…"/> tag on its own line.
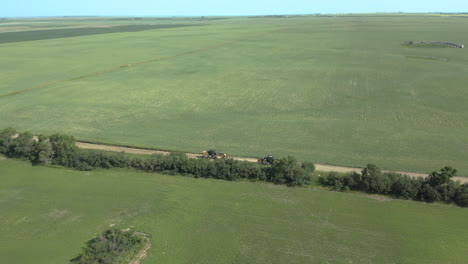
<point x="268" y="160"/>
<point x="213" y="154"/>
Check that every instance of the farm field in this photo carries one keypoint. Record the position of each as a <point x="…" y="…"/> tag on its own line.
<point x="333" y="90"/>
<point x="50" y="212"/>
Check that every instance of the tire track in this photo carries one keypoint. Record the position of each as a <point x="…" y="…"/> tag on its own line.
<point x="120" y="67"/>
<point x="138" y="63"/>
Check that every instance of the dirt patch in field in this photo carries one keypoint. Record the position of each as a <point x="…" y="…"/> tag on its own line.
<point x="343" y="169"/>
<point x="57" y="213"/>
<point x="245" y="159"/>
<point x="120" y="149"/>
<point x="142" y="254"/>
<point x="377" y="197"/>
<point x="328" y="168"/>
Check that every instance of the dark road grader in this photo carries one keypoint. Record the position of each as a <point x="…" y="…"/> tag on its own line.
<point x="268" y="160"/>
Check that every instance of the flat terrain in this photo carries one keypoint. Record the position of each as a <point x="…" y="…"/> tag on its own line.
<point x="333" y="90"/>
<point x="49" y="213"/>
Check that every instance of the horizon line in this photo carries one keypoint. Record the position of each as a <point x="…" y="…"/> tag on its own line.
<point x="277" y="14"/>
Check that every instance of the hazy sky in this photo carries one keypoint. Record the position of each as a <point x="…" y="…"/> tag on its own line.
<point x="17" y="8"/>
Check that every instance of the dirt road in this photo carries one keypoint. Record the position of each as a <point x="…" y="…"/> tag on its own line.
<point x="318" y="167"/>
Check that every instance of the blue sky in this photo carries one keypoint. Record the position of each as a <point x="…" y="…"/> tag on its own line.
<point x="22" y="8"/>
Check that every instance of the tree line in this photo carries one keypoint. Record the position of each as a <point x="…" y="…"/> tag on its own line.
<point x="60" y="149"/>
<point x="437" y="187"/>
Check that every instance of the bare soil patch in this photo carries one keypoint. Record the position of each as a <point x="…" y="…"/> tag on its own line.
<point x="378" y="197"/>
<point x="142" y="254"/>
<point x="58" y="213"/>
<point x="120" y="149"/>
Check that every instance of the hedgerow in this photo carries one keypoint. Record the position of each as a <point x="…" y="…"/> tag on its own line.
<point x="437" y="187"/>
<point x="60" y="149"/>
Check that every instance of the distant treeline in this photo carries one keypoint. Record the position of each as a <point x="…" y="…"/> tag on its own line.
<point x="60" y="149"/>
<point x="437" y="187"/>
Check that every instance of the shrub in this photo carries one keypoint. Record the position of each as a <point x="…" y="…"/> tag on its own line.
<point x="6" y="139"/>
<point x="442" y="176"/>
<point x="429" y="193"/>
<point x="406" y="187"/>
<point x="64" y="149"/>
<point x="112" y="246"/>
<point x="461" y="196"/>
<point x="287" y="171"/>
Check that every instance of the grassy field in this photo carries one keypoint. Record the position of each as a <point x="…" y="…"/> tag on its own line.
<point x="48" y="213"/>
<point x="336" y="90"/>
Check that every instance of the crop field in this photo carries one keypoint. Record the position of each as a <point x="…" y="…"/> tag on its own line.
<point x="9" y="37"/>
<point x="336" y="90"/>
<point x="48" y="214"/>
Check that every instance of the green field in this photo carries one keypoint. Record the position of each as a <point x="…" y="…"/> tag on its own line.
<point x="47" y="214"/>
<point x="336" y="90"/>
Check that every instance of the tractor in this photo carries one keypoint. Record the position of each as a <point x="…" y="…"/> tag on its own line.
<point x="213" y="154"/>
<point x="268" y="160"/>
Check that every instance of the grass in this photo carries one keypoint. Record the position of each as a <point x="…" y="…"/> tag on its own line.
<point x="336" y="90"/>
<point x="49" y="213"/>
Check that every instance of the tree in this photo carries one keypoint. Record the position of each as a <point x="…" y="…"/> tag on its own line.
<point x="442" y="176"/>
<point x="461" y="196"/>
<point x="308" y="166"/>
<point x="429" y="194"/>
<point x="287" y="170"/>
<point x="448" y="191"/>
<point x="64" y="148"/>
<point x="42" y="151"/>
<point x="333" y="179"/>
<point x="370" y="170"/>
<point x="406" y="187"/>
<point x="112" y="246"/>
<point x="6" y="139"/>
<point x="22" y="146"/>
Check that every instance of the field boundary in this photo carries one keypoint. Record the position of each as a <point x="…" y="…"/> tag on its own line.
<point x="318" y="167"/>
